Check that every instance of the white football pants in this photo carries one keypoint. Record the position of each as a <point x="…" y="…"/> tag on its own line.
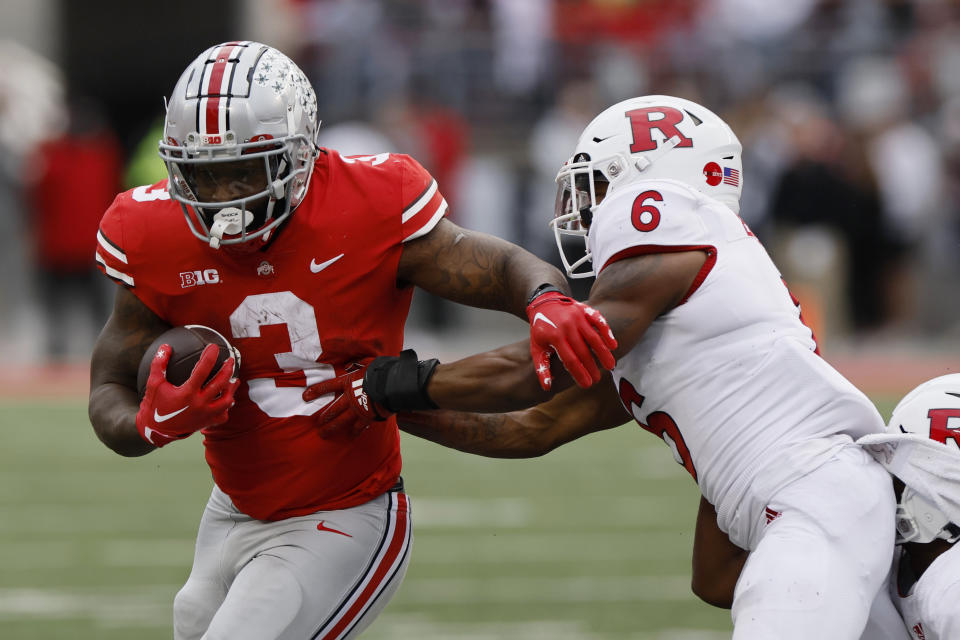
<point x="821" y="563"/>
<point x="324" y="576"/>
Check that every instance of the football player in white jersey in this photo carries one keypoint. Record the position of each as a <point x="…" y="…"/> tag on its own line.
<point x="713" y="357"/>
<point x="921" y="449"/>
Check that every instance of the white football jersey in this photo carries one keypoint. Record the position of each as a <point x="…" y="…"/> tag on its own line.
<point x="929" y="609"/>
<point x="729" y="378"/>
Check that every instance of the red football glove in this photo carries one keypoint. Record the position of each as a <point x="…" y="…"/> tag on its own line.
<point x="572" y="329"/>
<point x="169" y="413"/>
<point x="351" y="411"/>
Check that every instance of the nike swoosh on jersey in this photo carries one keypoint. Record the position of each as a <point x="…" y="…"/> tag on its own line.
<point x="317" y="268"/>
<point x="540" y="316"/>
<point x="163" y="417"/>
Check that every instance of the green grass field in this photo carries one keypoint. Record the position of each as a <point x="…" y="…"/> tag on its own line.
<point x="591" y="542"/>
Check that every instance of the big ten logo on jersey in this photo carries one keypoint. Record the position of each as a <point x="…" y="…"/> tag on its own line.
<point x="945" y="426"/>
<point x="199" y="277"/>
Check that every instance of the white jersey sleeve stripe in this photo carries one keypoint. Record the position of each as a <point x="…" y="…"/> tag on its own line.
<point x="420" y="203"/>
<point x="113" y="273"/>
<point x="111" y="248"/>
<point x="431" y="223"/>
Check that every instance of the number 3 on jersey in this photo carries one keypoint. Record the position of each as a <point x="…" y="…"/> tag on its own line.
<point x="285" y="308"/>
<point x="659" y="424"/>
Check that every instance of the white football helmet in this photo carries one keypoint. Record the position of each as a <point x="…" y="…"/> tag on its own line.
<point x="239" y="141"/>
<point x="644" y="138"/>
<point x="932" y="411"/>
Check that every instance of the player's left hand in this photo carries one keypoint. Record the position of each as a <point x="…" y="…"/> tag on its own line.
<point x="576" y="332"/>
<point x="351" y="411"/>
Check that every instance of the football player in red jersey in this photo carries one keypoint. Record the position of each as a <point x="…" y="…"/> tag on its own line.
<point x="305" y="260"/>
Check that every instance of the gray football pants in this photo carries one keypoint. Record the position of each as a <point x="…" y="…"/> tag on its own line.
<point x="323" y="576"/>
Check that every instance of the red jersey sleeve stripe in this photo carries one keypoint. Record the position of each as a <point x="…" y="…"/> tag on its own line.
<point x="390" y="557"/>
<point x="116" y="274"/>
<point x="422" y="201"/>
<point x="105" y="244"/>
<point x="425" y="218"/>
<point x="430" y="223"/>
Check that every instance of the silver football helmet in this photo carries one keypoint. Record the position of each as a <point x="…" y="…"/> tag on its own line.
<point x="643" y="138"/>
<point x="239" y="141"/>
<point x="932" y="411"/>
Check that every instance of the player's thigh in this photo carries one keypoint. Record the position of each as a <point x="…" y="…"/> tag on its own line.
<point x="821" y="563"/>
<point x="321" y="576"/>
<point x="198" y="600"/>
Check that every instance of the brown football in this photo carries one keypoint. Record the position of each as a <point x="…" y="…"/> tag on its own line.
<point x="187" y="343"/>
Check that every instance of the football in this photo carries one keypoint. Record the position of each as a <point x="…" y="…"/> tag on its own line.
<point x="187" y="343"/>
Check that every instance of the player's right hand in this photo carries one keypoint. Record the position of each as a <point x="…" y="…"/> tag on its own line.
<point x="351" y="410"/>
<point x="575" y="332"/>
<point x="168" y="412"/>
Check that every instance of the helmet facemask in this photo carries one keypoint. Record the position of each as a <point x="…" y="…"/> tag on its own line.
<point x="236" y="195"/>
<point x="580" y="188"/>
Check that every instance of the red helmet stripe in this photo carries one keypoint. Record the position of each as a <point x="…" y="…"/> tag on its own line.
<point x="215" y="86"/>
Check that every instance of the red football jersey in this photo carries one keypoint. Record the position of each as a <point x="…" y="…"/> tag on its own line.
<point x="322" y="296"/>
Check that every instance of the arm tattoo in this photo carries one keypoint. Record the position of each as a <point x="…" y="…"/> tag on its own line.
<point x="476" y="269"/>
<point x="129" y="331"/>
<point x="145" y="328"/>
<point x="477" y="433"/>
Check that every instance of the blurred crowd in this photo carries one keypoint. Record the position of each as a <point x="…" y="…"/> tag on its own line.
<point x="848" y="111"/>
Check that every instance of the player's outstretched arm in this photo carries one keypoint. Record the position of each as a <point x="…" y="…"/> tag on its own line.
<point x="113" y="402"/>
<point x="533" y="432"/>
<point x="633" y="292"/>
<point x="484" y="271"/>
<point x="630" y="293"/>
<point x="717" y="562"/>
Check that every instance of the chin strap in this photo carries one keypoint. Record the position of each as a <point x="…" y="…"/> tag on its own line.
<point x="644" y="161"/>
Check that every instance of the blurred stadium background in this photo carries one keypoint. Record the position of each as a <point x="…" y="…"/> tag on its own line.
<point x="849" y="111"/>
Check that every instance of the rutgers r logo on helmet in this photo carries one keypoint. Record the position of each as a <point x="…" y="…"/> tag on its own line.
<point x="239" y="143"/>
<point x="645" y="138"/>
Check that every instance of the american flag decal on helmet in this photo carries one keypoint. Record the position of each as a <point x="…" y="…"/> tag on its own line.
<point x="731" y="177"/>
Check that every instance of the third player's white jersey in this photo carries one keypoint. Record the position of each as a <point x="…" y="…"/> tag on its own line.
<point x="729" y="378"/>
<point x="930" y="609"/>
